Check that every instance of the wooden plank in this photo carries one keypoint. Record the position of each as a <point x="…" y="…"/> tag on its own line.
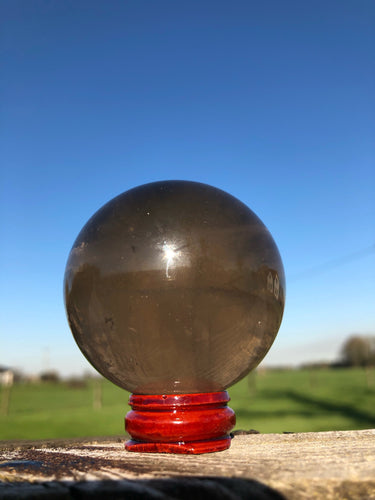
<point x="329" y="465"/>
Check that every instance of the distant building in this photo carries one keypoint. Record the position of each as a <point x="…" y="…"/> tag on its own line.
<point x="6" y="376"/>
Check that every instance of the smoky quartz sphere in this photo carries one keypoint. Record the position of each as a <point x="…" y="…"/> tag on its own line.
<point x="174" y="287"/>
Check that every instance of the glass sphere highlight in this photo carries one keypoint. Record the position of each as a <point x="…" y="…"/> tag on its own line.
<point x="174" y="287"/>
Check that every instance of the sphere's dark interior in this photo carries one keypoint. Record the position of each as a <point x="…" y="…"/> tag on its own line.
<point x="174" y="287"/>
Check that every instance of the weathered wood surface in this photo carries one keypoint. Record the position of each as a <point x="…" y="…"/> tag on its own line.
<point x="322" y="465"/>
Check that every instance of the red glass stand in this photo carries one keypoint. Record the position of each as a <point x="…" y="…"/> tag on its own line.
<point x="179" y="423"/>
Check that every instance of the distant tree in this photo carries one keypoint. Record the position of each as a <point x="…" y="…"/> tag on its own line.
<point x="76" y="383"/>
<point x="50" y="376"/>
<point x="18" y="376"/>
<point x="359" y="351"/>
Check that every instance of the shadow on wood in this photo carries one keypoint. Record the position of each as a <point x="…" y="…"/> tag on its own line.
<point x="181" y="488"/>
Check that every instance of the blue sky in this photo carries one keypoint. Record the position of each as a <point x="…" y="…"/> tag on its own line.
<point x="271" y="101"/>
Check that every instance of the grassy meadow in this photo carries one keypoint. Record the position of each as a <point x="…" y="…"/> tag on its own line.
<point x="267" y="400"/>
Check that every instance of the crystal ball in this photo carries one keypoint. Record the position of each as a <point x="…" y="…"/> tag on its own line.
<point x="174" y="287"/>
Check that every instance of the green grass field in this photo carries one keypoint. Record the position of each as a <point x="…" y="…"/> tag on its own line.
<point x="268" y="401"/>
